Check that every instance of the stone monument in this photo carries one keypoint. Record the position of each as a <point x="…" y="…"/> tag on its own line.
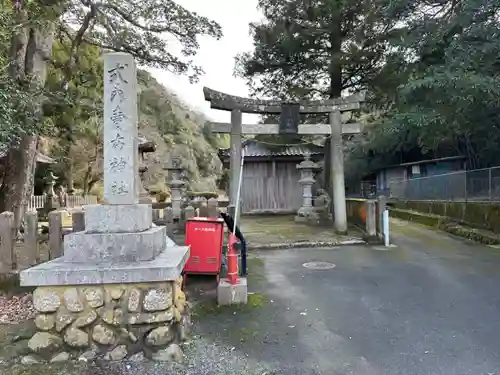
<point x="116" y="290"/>
<point x="306" y="213"/>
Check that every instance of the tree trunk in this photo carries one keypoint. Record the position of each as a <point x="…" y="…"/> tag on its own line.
<point x="31" y="47"/>
<point x="70" y="188"/>
<point x="69" y="70"/>
<point x="87" y="179"/>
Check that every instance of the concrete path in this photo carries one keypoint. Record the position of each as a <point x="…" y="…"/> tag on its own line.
<point x="429" y="306"/>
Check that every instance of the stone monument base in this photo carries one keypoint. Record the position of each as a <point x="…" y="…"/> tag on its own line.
<point x="109" y="311"/>
<point x="228" y="294"/>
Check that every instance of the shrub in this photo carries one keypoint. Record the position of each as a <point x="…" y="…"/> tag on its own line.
<point x="162" y="196"/>
<point x="203" y="194"/>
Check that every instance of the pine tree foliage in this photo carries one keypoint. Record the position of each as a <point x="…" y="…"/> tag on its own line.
<point x="431" y="69"/>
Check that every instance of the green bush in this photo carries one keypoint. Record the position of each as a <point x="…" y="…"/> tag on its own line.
<point x="203" y="194"/>
<point x="98" y="191"/>
<point x="162" y="196"/>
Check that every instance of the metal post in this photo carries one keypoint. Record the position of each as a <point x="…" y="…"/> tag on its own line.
<point x="465" y="186"/>
<point x="490" y="184"/>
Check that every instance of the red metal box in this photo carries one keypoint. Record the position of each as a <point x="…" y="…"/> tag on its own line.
<point x="205" y="235"/>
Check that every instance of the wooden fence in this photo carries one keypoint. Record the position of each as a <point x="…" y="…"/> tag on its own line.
<point x="40" y="242"/>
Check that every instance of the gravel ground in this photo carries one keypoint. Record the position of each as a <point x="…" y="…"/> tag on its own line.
<point x="16" y="309"/>
<point x="203" y="355"/>
<point x="205" y="358"/>
<point x="202" y="358"/>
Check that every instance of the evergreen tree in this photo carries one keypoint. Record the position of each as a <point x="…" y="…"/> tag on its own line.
<point x="316" y="49"/>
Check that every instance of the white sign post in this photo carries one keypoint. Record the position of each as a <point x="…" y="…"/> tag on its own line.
<point x="385" y="220"/>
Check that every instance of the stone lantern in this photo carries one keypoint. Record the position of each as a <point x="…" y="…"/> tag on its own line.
<point x="51" y="182"/>
<point x="306" y="212"/>
<point x="176" y="184"/>
<point x="50" y="201"/>
<point x="144" y="147"/>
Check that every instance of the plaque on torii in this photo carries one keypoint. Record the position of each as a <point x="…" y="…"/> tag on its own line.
<point x="289" y="118"/>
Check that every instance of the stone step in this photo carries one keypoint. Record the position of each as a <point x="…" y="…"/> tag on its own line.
<point x="82" y="247"/>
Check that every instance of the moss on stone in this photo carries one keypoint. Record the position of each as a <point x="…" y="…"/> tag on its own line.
<point x="417" y="217"/>
<point x="447" y="225"/>
<point x="477" y="214"/>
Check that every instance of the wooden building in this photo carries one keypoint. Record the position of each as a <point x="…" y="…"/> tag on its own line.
<point x="270" y="176"/>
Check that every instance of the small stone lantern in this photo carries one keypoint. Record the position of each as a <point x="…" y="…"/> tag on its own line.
<point x="176" y="184"/>
<point x="144" y="147"/>
<point x="51" y="182"/>
<point x="50" y="195"/>
<point x="307" y="167"/>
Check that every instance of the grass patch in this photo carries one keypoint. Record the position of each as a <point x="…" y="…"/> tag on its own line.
<point x="255" y="270"/>
<point x="9" y="284"/>
<point x="14" y="339"/>
<point x="41" y="369"/>
<point x="263" y="230"/>
<point x="209" y="308"/>
<point x="257" y="300"/>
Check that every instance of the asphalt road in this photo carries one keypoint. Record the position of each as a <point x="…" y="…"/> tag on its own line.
<point x="430" y="305"/>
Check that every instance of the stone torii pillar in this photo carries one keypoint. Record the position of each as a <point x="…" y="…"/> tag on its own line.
<point x="235" y="156"/>
<point x="337" y="159"/>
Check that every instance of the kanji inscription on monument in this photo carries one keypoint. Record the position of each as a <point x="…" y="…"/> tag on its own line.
<point x="120" y="130"/>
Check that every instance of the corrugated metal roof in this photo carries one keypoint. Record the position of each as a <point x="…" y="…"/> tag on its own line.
<point x="252" y="148"/>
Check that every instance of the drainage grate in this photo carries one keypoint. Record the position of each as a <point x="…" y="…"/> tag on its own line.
<point x="319" y="265"/>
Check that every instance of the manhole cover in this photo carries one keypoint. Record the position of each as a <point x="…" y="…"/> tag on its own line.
<point x="319" y="265"/>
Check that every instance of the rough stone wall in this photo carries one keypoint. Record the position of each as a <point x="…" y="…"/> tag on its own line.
<point x="111" y="321"/>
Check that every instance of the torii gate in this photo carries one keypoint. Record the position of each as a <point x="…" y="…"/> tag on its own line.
<point x="289" y="124"/>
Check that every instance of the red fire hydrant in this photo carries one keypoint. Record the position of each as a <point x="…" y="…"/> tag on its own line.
<point x="232" y="260"/>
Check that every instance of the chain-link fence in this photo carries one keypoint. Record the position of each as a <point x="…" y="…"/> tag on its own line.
<point x="479" y="185"/>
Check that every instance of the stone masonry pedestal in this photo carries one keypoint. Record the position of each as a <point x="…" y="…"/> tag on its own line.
<point x="116" y="291"/>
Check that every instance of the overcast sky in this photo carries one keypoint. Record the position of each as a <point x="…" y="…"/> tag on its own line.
<point x="217" y="56"/>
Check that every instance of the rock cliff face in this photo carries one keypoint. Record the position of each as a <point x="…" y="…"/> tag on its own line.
<point x="176" y="129"/>
<point x="164" y="119"/>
